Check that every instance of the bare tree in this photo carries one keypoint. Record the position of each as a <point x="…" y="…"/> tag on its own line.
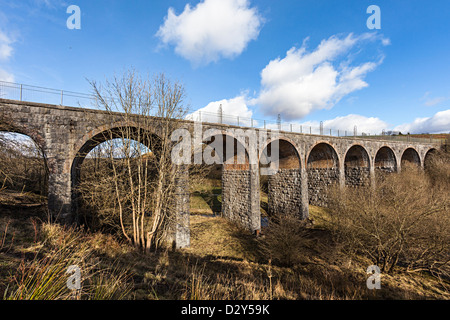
<point x="136" y="161"/>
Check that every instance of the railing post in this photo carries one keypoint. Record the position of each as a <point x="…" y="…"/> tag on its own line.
<point x="301" y="131"/>
<point x="238" y="120"/>
<point x="20" y="92"/>
<point x="264" y="124"/>
<point x="61" y="97"/>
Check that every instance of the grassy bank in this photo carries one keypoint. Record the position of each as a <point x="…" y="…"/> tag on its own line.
<point x="223" y="262"/>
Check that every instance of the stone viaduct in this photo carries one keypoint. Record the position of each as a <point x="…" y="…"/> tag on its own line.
<point x="307" y="163"/>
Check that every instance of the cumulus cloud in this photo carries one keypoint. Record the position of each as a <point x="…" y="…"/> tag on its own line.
<point x="231" y="109"/>
<point x="6" y="51"/>
<point x="5" y="46"/>
<point x="303" y="81"/>
<point x="372" y="125"/>
<point x="213" y="29"/>
<point x="438" y="123"/>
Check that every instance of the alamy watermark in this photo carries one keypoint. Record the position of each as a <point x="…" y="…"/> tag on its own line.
<point x="374" y="21"/>
<point x="374" y="281"/>
<point x="74" y="280"/>
<point x="233" y="146"/>
<point x="74" y="20"/>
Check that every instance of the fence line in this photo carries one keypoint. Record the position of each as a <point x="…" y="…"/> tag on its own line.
<point x="24" y="92"/>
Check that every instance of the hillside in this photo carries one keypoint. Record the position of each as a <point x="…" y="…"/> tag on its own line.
<point x="223" y="262"/>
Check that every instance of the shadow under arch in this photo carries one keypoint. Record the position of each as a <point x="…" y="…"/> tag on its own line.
<point x="230" y="155"/>
<point x="357" y="166"/>
<point x="410" y="156"/>
<point x="428" y="158"/>
<point x="385" y="161"/>
<point x="322" y="168"/>
<point x="280" y="169"/>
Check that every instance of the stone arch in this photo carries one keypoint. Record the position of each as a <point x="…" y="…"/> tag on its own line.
<point x="95" y="138"/>
<point x="283" y="174"/>
<point x="428" y="157"/>
<point x="34" y="135"/>
<point x="322" y="155"/>
<point x="356" y="166"/>
<point x="287" y="155"/>
<point x="322" y="168"/>
<point x="410" y="156"/>
<point x="30" y="160"/>
<point x="385" y="160"/>
<point x="240" y="177"/>
<point x="226" y="149"/>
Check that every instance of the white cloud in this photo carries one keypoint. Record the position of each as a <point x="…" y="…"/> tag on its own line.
<point x="231" y="109"/>
<point x="347" y="123"/>
<point x="6" y="51"/>
<point x="434" y="101"/>
<point x="5" y="46"/>
<point x="305" y="81"/>
<point x="385" y="41"/>
<point x="211" y="30"/>
<point x="6" y="76"/>
<point x="438" y="123"/>
<point x="429" y="101"/>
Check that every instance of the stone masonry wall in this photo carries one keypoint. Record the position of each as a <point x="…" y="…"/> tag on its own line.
<point x="357" y="176"/>
<point x="319" y="179"/>
<point x="285" y="192"/>
<point x="236" y="196"/>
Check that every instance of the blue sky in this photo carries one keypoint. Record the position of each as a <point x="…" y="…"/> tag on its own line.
<point x="309" y="61"/>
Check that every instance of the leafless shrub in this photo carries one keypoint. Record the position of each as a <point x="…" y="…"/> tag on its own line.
<point x="403" y="220"/>
<point x="286" y="239"/>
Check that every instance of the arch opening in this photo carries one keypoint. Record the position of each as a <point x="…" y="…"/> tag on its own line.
<point x="410" y="157"/>
<point x="23" y="166"/>
<point x="428" y="159"/>
<point x="232" y="183"/>
<point x="281" y="189"/>
<point x="323" y="171"/>
<point x="385" y="161"/>
<point x="357" y="166"/>
<point x="107" y="174"/>
<point x="221" y="155"/>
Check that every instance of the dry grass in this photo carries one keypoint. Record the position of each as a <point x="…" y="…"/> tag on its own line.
<point x="223" y="262"/>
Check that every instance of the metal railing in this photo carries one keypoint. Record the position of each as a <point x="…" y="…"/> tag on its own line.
<point x="24" y="92"/>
